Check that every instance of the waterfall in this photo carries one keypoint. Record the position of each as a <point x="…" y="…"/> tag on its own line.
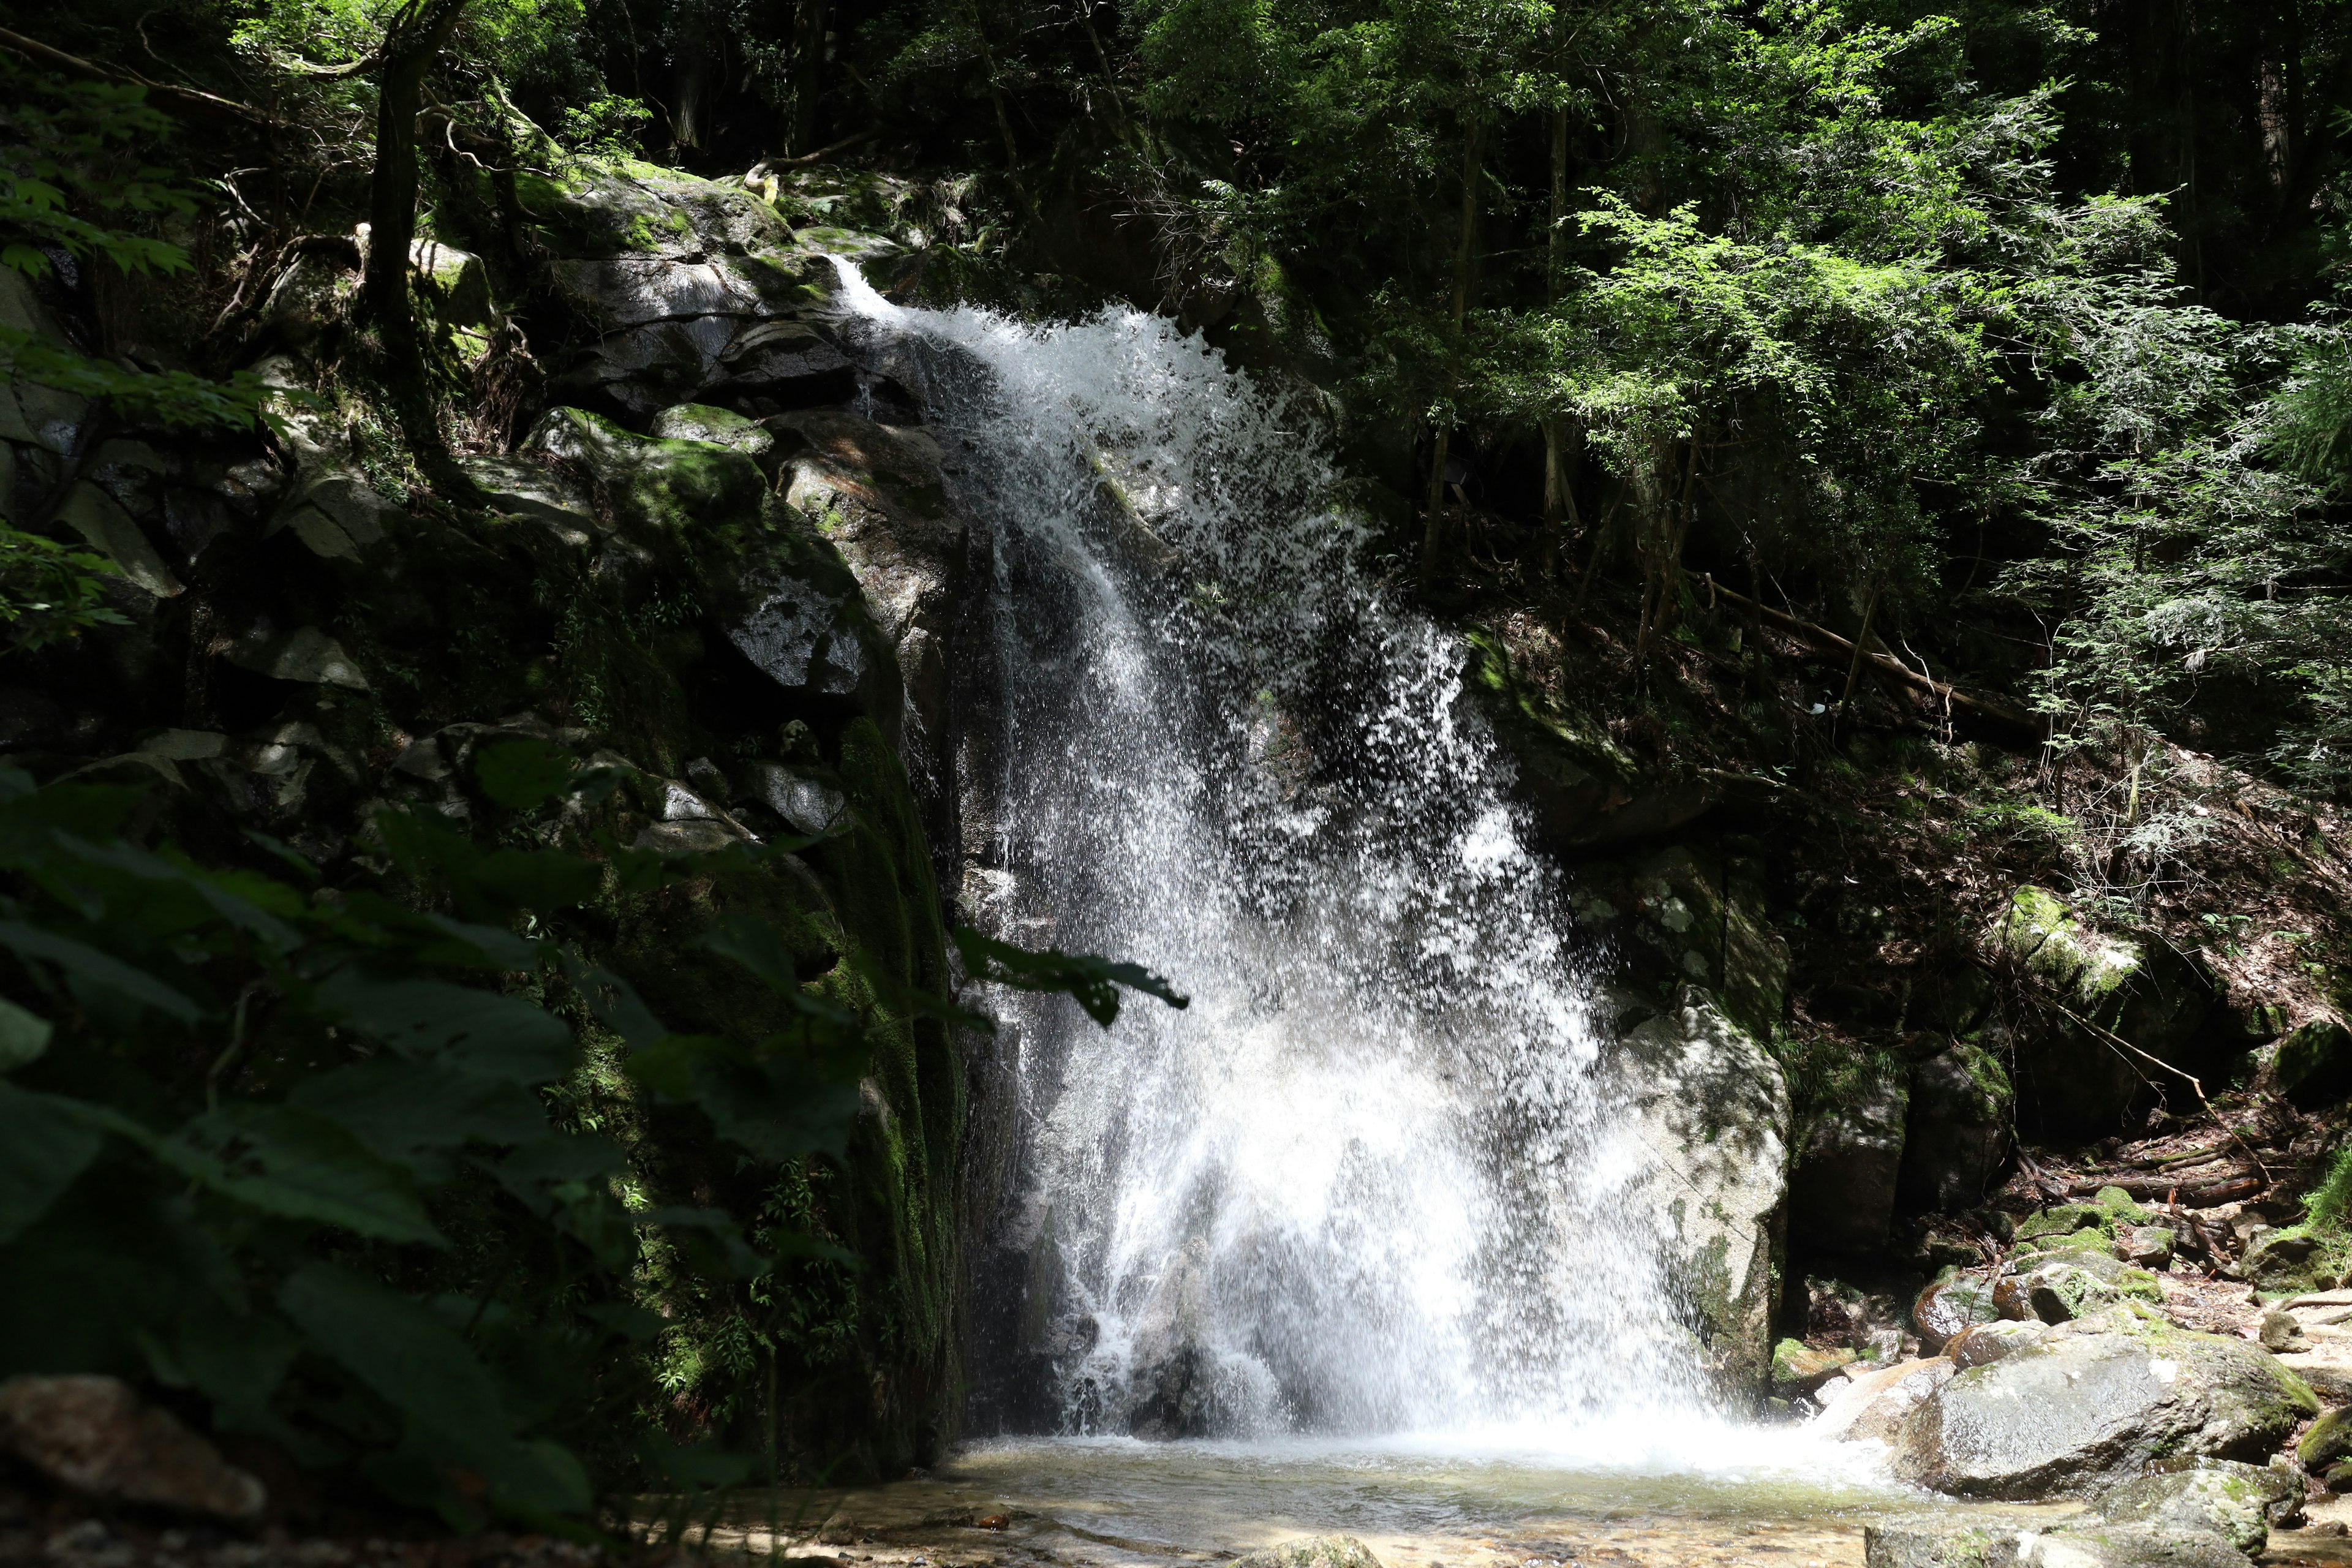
<point x="1375" y="1179"/>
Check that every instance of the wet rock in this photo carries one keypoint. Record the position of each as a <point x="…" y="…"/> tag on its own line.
<point x="1706" y="917"/>
<point x="1873" y="1406"/>
<point x="1173" y="1387"/>
<point x="1800" y="1369"/>
<point x="92" y="1435"/>
<point x="1713" y="1108"/>
<point x="2237" y="1502"/>
<point x="1841" y="1193"/>
<point x="1957" y="1135"/>
<point x="2074" y="1080"/>
<point x="1313" y="1552"/>
<point x="1949" y="1306"/>
<point x="1980" y="1344"/>
<point x="2094" y="1404"/>
<point x="772" y="366"/>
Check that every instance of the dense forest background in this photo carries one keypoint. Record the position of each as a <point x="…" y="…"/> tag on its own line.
<point x="1906" y="440"/>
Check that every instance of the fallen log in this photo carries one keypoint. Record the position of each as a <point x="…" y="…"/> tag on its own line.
<point x="1885" y="664"/>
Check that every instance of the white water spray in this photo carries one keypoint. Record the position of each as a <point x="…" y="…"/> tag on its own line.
<point x="1375" y="1179"/>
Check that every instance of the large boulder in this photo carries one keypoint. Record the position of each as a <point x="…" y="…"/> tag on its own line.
<point x="2235" y="1501"/>
<point x="2076" y="1079"/>
<point x="1712" y="1110"/>
<point x="2095" y="1403"/>
<point x="1956" y="1137"/>
<point x="1841" y="1193"/>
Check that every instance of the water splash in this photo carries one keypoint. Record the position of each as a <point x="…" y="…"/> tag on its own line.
<point x="1374" y="1180"/>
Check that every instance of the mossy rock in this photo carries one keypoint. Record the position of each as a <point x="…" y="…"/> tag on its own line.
<point x="2066" y="1219"/>
<point x="1799" y="1368"/>
<point x="2074" y="1078"/>
<point x="2328" y="1441"/>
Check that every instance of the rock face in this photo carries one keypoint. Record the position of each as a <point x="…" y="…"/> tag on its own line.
<point x="2078" y="1082"/>
<point x="1841" y="1193"/>
<point x="92" y="1435"/>
<point x="1714" y="1113"/>
<point x="2095" y="1404"/>
<point x="1956" y="1138"/>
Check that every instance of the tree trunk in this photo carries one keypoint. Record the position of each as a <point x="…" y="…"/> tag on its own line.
<point x="410" y="46"/>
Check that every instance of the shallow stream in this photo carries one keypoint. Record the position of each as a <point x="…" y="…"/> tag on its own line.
<point x="1622" y="1498"/>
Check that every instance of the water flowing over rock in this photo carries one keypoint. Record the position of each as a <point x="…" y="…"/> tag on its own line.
<point x="1382" y="1173"/>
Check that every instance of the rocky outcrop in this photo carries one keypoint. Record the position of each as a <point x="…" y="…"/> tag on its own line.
<point x="2090" y="1405"/>
<point x="1713" y="1113"/>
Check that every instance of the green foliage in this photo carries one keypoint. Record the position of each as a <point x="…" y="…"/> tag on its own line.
<point x="313" y="1155"/>
<point x="70" y="184"/>
<point x="1093" y="982"/>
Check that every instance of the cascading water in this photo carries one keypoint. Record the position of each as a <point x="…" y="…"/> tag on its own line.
<point x="1374" y="1179"/>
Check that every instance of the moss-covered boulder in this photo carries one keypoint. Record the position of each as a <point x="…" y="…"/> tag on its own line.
<point x="1713" y="1108"/>
<point x="2095" y="1404"/>
<point x="2238" y="1502"/>
<point x="1799" y="1369"/>
<point x="2107" y="997"/>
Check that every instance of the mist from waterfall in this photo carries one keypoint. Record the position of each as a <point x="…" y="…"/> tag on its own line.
<point x="1375" y="1179"/>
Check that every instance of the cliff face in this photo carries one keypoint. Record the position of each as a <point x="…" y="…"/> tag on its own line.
<point x="662" y="540"/>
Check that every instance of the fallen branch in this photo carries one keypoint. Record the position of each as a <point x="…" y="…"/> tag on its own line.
<point x="765" y="165"/>
<point x="186" y="96"/>
<point x="1885" y="664"/>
